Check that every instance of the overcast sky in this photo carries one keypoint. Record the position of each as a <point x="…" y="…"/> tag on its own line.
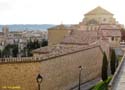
<point x="55" y="11"/>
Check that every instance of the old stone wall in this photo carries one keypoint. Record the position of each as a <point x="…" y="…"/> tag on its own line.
<point x="59" y="73"/>
<point x="56" y="36"/>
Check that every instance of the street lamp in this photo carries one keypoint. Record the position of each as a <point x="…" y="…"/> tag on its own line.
<point x="39" y="80"/>
<point x="80" y="69"/>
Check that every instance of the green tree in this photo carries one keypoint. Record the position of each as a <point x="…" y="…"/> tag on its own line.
<point x="44" y="42"/>
<point x="6" y="51"/>
<point x="113" y="62"/>
<point x="14" y="50"/>
<point x="0" y="53"/>
<point x="10" y="50"/>
<point x="31" y="45"/>
<point x="104" y="67"/>
<point x="36" y="44"/>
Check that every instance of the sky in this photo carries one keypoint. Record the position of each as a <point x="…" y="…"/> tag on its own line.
<point x="55" y="11"/>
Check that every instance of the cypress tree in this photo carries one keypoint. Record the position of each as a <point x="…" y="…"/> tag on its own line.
<point x="44" y="42"/>
<point x="104" y="67"/>
<point x="113" y="62"/>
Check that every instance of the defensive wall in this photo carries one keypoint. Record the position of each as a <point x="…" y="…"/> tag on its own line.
<point x="59" y="73"/>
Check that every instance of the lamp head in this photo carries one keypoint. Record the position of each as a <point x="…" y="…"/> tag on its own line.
<point x="39" y="78"/>
<point x="80" y="67"/>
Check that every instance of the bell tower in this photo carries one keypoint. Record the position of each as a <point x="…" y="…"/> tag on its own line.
<point x="5" y="30"/>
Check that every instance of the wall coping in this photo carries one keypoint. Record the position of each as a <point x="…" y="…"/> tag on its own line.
<point x="116" y="73"/>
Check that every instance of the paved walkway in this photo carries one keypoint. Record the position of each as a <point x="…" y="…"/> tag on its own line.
<point x="120" y="81"/>
<point x="88" y="85"/>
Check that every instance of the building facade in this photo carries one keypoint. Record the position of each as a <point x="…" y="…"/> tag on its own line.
<point x="56" y="34"/>
<point x="99" y="20"/>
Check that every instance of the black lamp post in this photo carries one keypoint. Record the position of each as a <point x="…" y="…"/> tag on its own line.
<point x="80" y="69"/>
<point x="39" y="80"/>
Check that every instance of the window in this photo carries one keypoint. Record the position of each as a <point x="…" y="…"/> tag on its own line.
<point x="112" y="38"/>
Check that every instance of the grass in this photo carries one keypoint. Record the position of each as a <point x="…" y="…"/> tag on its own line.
<point x="101" y="85"/>
<point x="120" y="58"/>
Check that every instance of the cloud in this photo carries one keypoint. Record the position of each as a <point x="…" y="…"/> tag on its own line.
<point x="4" y="6"/>
<point x="55" y="11"/>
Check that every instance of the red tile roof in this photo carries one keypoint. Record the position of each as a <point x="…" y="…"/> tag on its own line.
<point x="80" y="37"/>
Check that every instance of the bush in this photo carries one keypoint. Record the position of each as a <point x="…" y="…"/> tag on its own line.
<point x="101" y="85"/>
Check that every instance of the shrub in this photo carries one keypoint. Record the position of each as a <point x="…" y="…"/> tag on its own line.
<point x="113" y="62"/>
<point x="104" y="67"/>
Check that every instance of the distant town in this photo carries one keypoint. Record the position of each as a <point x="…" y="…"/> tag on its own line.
<point x="21" y="43"/>
<point x="29" y="27"/>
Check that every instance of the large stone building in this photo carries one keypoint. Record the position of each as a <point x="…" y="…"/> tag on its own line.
<point x="57" y="33"/>
<point x="99" y="16"/>
<point x="98" y="20"/>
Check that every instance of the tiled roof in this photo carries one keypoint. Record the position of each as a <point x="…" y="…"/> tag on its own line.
<point x="110" y="33"/>
<point x="80" y="37"/>
<point x="59" y="27"/>
<point x="55" y="48"/>
<point x="99" y="11"/>
<point x="58" y="50"/>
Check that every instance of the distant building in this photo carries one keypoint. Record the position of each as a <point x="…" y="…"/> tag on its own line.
<point x="5" y="30"/>
<point x="20" y="37"/>
<point x="98" y="19"/>
<point x="99" y="16"/>
<point x="82" y="44"/>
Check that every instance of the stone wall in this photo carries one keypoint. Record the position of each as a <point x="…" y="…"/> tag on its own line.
<point x="56" y="36"/>
<point x="59" y="73"/>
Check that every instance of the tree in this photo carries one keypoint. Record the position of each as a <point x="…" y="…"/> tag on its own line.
<point x="6" y="51"/>
<point x="14" y="50"/>
<point x="104" y="67"/>
<point x="10" y="50"/>
<point x="44" y="42"/>
<point x="113" y="62"/>
<point x="36" y="44"/>
<point x="0" y="53"/>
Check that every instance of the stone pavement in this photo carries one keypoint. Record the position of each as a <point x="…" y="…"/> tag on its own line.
<point x="120" y="81"/>
<point x="89" y="84"/>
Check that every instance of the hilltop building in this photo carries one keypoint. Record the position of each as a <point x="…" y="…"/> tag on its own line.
<point x="98" y="19"/>
<point x="99" y="16"/>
